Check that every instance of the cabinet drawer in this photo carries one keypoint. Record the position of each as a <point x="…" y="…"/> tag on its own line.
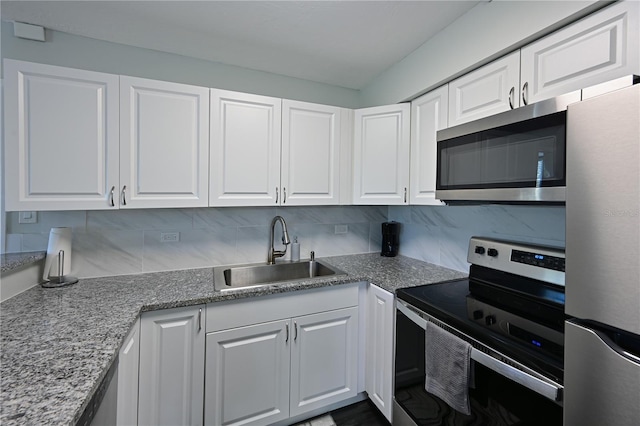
<point x="238" y="313"/>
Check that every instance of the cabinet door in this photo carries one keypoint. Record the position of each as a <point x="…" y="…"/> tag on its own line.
<point x="61" y="138"/>
<point x="164" y="144"/>
<point x="428" y="115"/>
<point x="310" y="154"/>
<point x="247" y="378"/>
<point x="245" y="149"/>
<point x="486" y="91"/>
<point x="598" y="48"/>
<point x="129" y="357"/>
<point x="381" y="155"/>
<point x="379" y="352"/>
<point x="171" y="389"/>
<point x="324" y="359"/>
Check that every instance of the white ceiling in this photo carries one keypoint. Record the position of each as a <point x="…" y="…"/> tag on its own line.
<point x="342" y="43"/>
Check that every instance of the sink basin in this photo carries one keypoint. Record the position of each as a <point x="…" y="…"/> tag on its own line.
<point x="229" y="278"/>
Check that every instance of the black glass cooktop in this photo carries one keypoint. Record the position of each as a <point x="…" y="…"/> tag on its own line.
<point x="447" y="302"/>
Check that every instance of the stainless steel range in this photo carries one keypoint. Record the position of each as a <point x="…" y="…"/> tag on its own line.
<point x="511" y="311"/>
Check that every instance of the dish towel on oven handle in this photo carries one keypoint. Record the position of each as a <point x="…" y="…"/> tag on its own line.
<point x="448" y="367"/>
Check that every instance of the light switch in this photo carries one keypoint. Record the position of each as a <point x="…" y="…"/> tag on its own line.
<point x="28" y="217"/>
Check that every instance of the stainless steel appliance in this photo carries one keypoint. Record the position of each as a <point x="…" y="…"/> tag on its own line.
<point x="511" y="310"/>
<point x="516" y="156"/>
<point x="602" y="348"/>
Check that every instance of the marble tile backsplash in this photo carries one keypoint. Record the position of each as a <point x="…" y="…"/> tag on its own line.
<point x="440" y="234"/>
<point x="121" y="242"/>
<point x="129" y="241"/>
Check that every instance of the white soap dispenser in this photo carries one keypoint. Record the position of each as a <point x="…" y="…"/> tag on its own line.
<point x="295" y="250"/>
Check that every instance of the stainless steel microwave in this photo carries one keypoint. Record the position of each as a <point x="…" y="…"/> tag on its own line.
<point x="517" y="156"/>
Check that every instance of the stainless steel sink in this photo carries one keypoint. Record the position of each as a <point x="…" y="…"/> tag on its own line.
<point x="229" y="278"/>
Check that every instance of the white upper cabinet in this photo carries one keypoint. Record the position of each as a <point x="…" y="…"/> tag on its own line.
<point x="598" y="48"/>
<point x="164" y="144"/>
<point x="266" y="151"/>
<point x="245" y="149"/>
<point x="311" y="137"/>
<point x="486" y="91"/>
<point x="61" y="138"/>
<point x="381" y="155"/>
<point x="428" y="115"/>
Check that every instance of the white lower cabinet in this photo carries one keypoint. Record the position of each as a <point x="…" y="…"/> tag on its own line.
<point x="128" y="361"/>
<point x="379" y="348"/>
<point x="248" y="375"/>
<point x="324" y="359"/>
<point x="172" y="366"/>
<point x="289" y="364"/>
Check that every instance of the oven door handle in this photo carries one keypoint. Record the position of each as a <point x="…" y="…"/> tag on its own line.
<point x="546" y="389"/>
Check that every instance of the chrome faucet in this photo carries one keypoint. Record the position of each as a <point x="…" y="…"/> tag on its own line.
<point x="273" y="254"/>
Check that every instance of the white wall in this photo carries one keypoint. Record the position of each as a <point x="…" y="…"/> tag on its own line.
<point x="485" y="33"/>
<point x="85" y="53"/>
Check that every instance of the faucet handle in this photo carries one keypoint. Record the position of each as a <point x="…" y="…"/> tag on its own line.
<point x="312" y="255"/>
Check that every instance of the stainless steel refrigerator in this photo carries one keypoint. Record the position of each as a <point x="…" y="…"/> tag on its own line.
<point x="602" y="341"/>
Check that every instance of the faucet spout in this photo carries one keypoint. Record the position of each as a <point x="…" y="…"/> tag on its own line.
<point x="273" y="253"/>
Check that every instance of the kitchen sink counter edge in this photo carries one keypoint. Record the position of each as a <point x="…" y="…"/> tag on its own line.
<point x="59" y="344"/>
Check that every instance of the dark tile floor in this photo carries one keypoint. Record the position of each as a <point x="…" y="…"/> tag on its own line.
<point x="360" y="414"/>
<point x="363" y="413"/>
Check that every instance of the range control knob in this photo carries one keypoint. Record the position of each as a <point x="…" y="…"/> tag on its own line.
<point x="477" y="314"/>
<point x="492" y="252"/>
<point x="479" y="250"/>
<point x="490" y="319"/>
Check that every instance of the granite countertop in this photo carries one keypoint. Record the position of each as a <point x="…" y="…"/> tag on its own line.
<point x="11" y="261"/>
<point x="59" y="344"/>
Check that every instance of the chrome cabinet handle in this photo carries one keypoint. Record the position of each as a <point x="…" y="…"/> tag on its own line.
<point x="525" y="86"/>
<point x="405" y="194"/>
<point x="199" y="319"/>
<point x="124" y="195"/>
<point x="295" y="329"/>
<point x="511" y="92"/>
<point x="284" y="195"/>
<point x="276" y="195"/>
<point x="113" y="188"/>
<point x="286" y="340"/>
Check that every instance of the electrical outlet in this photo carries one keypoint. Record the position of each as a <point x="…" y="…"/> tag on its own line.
<point x="169" y="237"/>
<point x="341" y="229"/>
<point x="28" y="217"/>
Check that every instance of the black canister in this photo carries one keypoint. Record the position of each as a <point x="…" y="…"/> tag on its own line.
<point x="390" y="239"/>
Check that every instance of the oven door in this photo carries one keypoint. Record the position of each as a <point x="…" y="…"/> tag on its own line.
<point x="503" y="393"/>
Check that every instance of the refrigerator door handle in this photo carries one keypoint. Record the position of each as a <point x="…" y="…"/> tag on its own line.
<point x="626" y="353"/>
